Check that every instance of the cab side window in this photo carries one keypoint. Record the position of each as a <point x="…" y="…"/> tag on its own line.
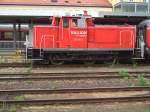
<point x="74" y="23"/>
<point x="65" y="23"/>
<point x="80" y="23"/>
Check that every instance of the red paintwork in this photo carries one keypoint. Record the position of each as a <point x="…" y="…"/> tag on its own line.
<point x="45" y="37"/>
<point x="73" y="40"/>
<point x="101" y="36"/>
<point x="148" y="36"/>
<point x="112" y="37"/>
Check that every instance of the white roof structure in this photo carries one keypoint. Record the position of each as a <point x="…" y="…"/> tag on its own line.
<point x="6" y="10"/>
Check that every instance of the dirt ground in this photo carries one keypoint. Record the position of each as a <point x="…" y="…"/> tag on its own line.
<point x="112" y="107"/>
<point x="74" y="95"/>
<point x="90" y="69"/>
<point x="60" y="84"/>
<point x="73" y="69"/>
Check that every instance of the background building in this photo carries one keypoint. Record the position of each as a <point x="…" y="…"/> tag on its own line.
<point x="136" y="6"/>
<point x="117" y="1"/>
<point x="53" y="7"/>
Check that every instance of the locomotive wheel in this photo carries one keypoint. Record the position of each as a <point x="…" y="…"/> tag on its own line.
<point x="89" y="60"/>
<point x="56" y="60"/>
<point x="111" y="61"/>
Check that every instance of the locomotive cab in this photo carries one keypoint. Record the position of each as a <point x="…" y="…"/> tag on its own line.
<point x="73" y="33"/>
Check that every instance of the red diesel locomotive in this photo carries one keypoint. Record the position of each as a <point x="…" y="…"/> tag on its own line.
<point x="78" y="38"/>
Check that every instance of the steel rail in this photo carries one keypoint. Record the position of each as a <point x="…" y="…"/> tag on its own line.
<point x="77" y="101"/>
<point x="75" y="73"/>
<point x="26" y="64"/>
<point x="64" y="77"/>
<point x="73" y="90"/>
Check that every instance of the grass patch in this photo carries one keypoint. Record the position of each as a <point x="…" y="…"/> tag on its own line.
<point x="29" y="69"/>
<point x="19" y="98"/>
<point x="13" y="109"/>
<point x="134" y="64"/>
<point x="125" y="75"/>
<point x="29" y="82"/>
<point x="142" y="80"/>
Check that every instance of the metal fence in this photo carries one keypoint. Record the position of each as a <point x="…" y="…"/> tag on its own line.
<point x="11" y="45"/>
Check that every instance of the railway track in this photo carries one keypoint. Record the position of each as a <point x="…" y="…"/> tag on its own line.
<point x="73" y="90"/>
<point x="65" y="76"/>
<point x="69" y="75"/>
<point x="27" y="64"/>
<point x="75" y="100"/>
<point x="78" y="101"/>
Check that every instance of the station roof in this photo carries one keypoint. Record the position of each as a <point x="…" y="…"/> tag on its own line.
<point x="103" y="17"/>
<point x="98" y="3"/>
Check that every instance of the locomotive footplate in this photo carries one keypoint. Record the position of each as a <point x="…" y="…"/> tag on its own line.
<point x="36" y="54"/>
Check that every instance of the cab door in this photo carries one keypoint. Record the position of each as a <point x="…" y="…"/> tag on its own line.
<point x="64" y="33"/>
<point x="73" y="33"/>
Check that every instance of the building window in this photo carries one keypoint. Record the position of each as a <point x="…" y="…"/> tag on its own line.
<point x="66" y="1"/>
<point x="118" y="8"/>
<point x="54" y="1"/>
<point x="142" y="8"/>
<point x="9" y="36"/>
<point x="128" y="7"/>
<point x="78" y="1"/>
<point x="6" y="35"/>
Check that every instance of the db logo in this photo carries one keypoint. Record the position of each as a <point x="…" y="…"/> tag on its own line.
<point x="78" y="32"/>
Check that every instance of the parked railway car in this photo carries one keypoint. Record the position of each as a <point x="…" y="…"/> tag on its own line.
<point x="78" y="38"/>
<point x="7" y="40"/>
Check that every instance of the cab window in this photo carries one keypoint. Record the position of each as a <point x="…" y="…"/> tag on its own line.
<point x="74" y="23"/>
<point x="65" y="23"/>
<point x="80" y="23"/>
